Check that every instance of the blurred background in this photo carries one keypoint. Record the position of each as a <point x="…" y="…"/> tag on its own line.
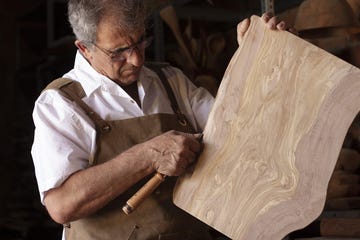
<point x="198" y="36"/>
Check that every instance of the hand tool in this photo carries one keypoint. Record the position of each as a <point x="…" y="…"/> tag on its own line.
<point x="143" y="192"/>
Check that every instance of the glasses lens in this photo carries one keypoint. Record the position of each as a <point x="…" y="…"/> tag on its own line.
<point x="121" y="56"/>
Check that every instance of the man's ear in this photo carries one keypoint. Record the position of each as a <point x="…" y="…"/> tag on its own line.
<point x="84" y="50"/>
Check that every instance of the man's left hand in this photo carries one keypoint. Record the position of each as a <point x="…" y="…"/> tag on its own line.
<point x="271" y="21"/>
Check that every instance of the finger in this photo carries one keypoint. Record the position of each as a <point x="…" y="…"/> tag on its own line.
<point x="281" y="26"/>
<point x="199" y="136"/>
<point x="186" y="158"/>
<point x="194" y="145"/>
<point x="167" y="165"/>
<point x="272" y="23"/>
<point x="293" y="31"/>
<point x="267" y="16"/>
<point x="190" y="141"/>
<point x="242" y="27"/>
<point x="182" y="159"/>
<point x="183" y="164"/>
<point x="174" y="163"/>
<point x="178" y="172"/>
<point x="162" y="169"/>
<point x="176" y="166"/>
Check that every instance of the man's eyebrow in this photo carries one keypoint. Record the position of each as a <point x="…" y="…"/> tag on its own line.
<point x="121" y="49"/>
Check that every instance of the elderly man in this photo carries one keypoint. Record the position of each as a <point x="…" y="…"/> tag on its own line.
<point x="110" y="123"/>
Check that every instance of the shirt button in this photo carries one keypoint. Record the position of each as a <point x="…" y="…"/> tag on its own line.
<point x="132" y="101"/>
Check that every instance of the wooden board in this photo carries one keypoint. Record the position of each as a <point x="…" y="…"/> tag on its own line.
<point x="272" y="138"/>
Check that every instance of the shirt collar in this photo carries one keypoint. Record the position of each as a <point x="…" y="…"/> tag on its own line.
<point x="89" y="78"/>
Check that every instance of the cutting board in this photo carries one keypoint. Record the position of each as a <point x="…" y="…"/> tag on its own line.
<point x="272" y="138"/>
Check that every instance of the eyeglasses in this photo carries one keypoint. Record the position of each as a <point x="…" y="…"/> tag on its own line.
<point x="121" y="54"/>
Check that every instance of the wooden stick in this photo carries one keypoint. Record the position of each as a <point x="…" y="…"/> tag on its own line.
<point x="168" y="14"/>
<point x="143" y="192"/>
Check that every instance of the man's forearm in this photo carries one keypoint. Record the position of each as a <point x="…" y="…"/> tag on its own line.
<point x="88" y="190"/>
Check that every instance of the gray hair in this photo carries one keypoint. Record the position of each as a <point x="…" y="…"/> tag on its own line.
<point x="85" y="15"/>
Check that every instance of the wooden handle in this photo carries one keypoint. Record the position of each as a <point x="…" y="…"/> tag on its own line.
<point x="143" y="192"/>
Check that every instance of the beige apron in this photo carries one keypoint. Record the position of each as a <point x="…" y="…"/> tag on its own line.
<point x="157" y="217"/>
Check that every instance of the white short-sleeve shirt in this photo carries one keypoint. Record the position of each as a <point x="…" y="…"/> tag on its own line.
<point x="65" y="138"/>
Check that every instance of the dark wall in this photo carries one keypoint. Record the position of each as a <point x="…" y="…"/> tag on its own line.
<point x="22" y="46"/>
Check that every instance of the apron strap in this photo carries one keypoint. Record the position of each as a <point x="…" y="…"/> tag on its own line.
<point x="157" y="67"/>
<point x="74" y="91"/>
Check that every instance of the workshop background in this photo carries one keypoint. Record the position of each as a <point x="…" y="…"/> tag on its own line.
<point x="197" y="36"/>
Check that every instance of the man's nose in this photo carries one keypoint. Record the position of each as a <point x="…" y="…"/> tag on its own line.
<point x="135" y="56"/>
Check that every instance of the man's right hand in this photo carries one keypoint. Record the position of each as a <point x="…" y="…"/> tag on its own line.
<point x="172" y="152"/>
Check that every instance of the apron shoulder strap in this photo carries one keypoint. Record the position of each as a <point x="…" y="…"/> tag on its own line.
<point x="158" y="68"/>
<point x="73" y="87"/>
<point x="74" y="91"/>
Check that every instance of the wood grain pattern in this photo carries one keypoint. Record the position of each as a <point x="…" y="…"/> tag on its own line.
<point x="272" y="138"/>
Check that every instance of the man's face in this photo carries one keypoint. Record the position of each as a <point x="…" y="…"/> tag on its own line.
<point x="108" y="57"/>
